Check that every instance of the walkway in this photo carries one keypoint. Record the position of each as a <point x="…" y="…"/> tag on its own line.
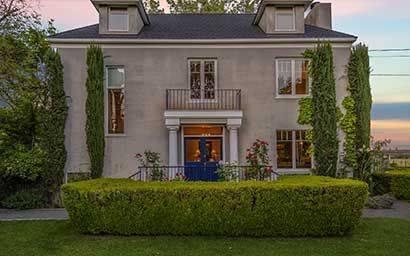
<point x="401" y="210"/>
<point x="37" y="214"/>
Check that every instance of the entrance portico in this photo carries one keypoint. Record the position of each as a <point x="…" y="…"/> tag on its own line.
<point x="205" y="138"/>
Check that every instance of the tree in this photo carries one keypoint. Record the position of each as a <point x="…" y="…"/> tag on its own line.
<point x="95" y="110"/>
<point x="54" y="119"/>
<point x="358" y="72"/>
<point x="17" y="16"/>
<point x="213" y="6"/>
<point x="153" y="6"/>
<point x="325" y="114"/>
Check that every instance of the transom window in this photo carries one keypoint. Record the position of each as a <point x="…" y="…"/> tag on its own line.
<point x="202" y="78"/>
<point x="285" y="19"/>
<point x="116" y="100"/>
<point x="118" y="19"/>
<point x="292" y="150"/>
<point x="292" y="77"/>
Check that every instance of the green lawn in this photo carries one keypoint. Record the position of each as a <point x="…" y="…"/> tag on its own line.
<point x="373" y="237"/>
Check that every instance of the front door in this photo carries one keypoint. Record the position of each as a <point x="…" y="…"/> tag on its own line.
<point x="202" y="156"/>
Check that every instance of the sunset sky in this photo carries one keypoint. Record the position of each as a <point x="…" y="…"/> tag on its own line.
<point x="380" y="24"/>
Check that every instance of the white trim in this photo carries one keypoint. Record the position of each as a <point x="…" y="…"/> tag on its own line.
<point x="109" y="18"/>
<point x="294" y="171"/>
<point x="236" y="114"/>
<point x="106" y="88"/>
<point x="293" y="94"/>
<point x="212" y="42"/>
<point x="278" y="11"/>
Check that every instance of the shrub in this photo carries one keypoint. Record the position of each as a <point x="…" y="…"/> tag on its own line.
<point x="292" y="206"/>
<point x="396" y="182"/>
<point x="23" y="200"/>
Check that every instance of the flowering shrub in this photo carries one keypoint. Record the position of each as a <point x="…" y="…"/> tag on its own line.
<point x="227" y="172"/>
<point x="258" y="159"/>
<point x="151" y="160"/>
<point x="179" y="177"/>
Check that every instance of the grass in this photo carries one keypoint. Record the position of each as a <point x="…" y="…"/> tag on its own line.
<point x="373" y="237"/>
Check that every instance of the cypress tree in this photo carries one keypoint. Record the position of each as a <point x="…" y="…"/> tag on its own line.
<point x="324" y="119"/>
<point x="359" y="87"/>
<point x="95" y="110"/>
<point x="54" y="119"/>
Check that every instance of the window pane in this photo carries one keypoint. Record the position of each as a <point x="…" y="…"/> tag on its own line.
<point x="209" y="86"/>
<point x="204" y="131"/>
<point x="303" y="159"/>
<point x="116" y="77"/>
<point x="285" y="20"/>
<point x="118" y="20"/>
<point x="213" y="150"/>
<point x="285" y="77"/>
<point x="193" y="151"/>
<point x="116" y="111"/>
<point x="302" y="76"/>
<point x="284" y="149"/>
<point x="195" y="79"/>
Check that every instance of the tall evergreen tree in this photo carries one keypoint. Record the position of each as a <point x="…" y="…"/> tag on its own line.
<point x="95" y="110"/>
<point x="213" y="6"/>
<point x="54" y="119"/>
<point x="359" y="87"/>
<point x="324" y="120"/>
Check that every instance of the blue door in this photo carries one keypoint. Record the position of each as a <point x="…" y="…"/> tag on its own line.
<point x="202" y="156"/>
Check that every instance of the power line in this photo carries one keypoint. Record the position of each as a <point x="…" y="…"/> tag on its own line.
<point x="390" y="50"/>
<point x="398" y="75"/>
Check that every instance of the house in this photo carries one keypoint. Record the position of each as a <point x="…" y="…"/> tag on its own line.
<point x="199" y="88"/>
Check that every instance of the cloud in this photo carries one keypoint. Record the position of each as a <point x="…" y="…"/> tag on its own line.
<point x="392" y="8"/>
<point x="396" y="130"/>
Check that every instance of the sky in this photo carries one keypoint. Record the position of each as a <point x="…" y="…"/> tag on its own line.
<point x="380" y="24"/>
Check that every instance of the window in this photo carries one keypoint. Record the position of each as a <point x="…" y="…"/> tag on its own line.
<point x="116" y="100"/>
<point x="285" y="19"/>
<point x="292" y="150"/>
<point x="118" y="19"/>
<point x="292" y="77"/>
<point x="202" y="78"/>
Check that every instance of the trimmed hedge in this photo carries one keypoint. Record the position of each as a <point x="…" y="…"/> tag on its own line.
<point x="396" y="182"/>
<point x="292" y="206"/>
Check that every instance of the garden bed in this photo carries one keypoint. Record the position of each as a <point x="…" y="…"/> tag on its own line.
<point x="292" y="206"/>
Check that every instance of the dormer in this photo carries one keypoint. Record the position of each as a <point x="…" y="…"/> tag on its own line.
<point x="121" y="16"/>
<point x="282" y="16"/>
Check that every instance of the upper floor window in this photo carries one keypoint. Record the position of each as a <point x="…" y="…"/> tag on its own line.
<point x="202" y="78"/>
<point x="292" y="77"/>
<point x="116" y="100"/>
<point x="118" y="19"/>
<point x="285" y="19"/>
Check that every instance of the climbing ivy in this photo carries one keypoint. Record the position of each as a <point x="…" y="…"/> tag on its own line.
<point x="95" y="110"/>
<point x="358" y="72"/>
<point x="348" y="125"/>
<point x="305" y="118"/>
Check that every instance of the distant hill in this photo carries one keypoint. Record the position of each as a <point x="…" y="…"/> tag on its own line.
<point x="386" y="111"/>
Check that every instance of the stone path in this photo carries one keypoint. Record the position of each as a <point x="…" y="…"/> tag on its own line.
<point x="401" y="210"/>
<point x="37" y="214"/>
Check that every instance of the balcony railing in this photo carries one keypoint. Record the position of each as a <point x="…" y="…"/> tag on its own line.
<point x="218" y="99"/>
<point x="167" y="173"/>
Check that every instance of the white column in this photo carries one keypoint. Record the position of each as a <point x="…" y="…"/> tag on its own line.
<point x="233" y="144"/>
<point x="173" y="146"/>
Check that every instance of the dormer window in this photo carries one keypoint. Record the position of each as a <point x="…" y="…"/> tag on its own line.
<point x="118" y="19"/>
<point x="285" y="19"/>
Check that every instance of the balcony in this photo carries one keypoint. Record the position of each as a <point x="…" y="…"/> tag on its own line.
<point x="218" y="99"/>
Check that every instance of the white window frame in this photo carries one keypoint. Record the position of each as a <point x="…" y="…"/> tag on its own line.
<point x="109" y="20"/>
<point x="202" y="74"/>
<point x="106" y="108"/>
<point x="293" y="169"/>
<point x="293" y="70"/>
<point x="279" y="11"/>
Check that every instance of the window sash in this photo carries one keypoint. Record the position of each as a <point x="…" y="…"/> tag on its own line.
<point x="205" y="75"/>
<point x="294" y="79"/>
<point x="296" y="136"/>
<point x="115" y="102"/>
<point x="280" y="15"/>
<point x="118" y="19"/>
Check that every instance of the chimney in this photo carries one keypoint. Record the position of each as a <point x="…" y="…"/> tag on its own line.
<point x="320" y="15"/>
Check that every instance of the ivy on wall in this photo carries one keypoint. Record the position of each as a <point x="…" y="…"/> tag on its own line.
<point x="348" y="125"/>
<point x="305" y="118"/>
<point x="358" y="72"/>
<point x="324" y="114"/>
<point x="95" y="110"/>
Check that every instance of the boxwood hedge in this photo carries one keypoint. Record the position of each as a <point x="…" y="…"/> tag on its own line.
<point x="292" y="206"/>
<point x="396" y="182"/>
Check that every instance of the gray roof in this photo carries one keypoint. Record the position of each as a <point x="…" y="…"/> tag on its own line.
<point x="200" y="26"/>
